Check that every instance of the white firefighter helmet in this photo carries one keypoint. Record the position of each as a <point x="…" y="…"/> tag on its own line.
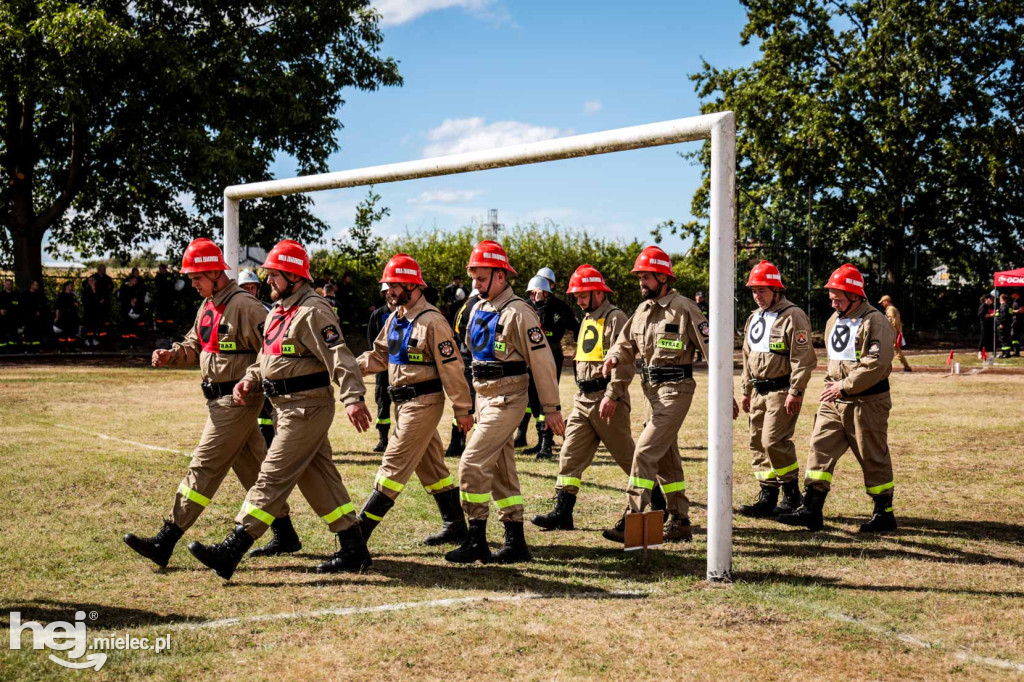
<point x="548" y="274"/>
<point x="539" y="283"/>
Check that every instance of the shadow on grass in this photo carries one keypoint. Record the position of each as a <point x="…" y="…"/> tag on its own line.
<point x="109" y="617"/>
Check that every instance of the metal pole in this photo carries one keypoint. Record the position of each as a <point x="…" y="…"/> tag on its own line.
<point x="231" y="236"/>
<point x="720" y="374"/>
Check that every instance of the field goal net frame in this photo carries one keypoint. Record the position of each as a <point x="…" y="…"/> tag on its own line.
<point x="721" y="129"/>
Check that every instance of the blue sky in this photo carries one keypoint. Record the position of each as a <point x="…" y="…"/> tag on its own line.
<point x="486" y="73"/>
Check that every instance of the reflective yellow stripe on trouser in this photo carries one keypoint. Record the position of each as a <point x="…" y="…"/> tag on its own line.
<point x="876" y="489"/>
<point x="509" y="502"/>
<point x="443" y="483"/>
<point x="645" y="483"/>
<point x="675" y="487"/>
<point x="346" y="508"/>
<point x="257" y="513"/>
<point x="386" y="482"/>
<point x="474" y="498"/>
<point x="192" y="495"/>
<point x="568" y="480"/>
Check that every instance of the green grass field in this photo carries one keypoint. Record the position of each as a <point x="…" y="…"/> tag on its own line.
<point x="942" y="598"/>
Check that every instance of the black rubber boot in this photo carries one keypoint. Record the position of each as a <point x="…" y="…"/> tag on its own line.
<point x="545" y="441"/>
<point x="474" y="547"/>
<point x="882" y="520"/>
<point x="373" y="513"/>
<point x="658" y="502"/>
<point x="677" y="529"/>
<point x="539" y="426"/>
<point x="791" y="498"/>
<point x="353" y="556"/>
<point x="224" y="558"/>
<point x="809" y="513"/>
<point x="764" y="504"/>
<point x="158" y="548"/>
<point x="514" y="550"/>
<point x="616" y="533"/>
<point x="457" y="444"/>
<point x="285" y="540"/>
<point x="561" y="517"/>
<point x="520" y="439"/>
<point x="453" y="520"/>
<point x="382" y="443"/>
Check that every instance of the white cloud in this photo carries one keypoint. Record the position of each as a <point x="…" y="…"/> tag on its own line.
<point x="445" y="196"/>
<point x="591" y="107"/>
<point x="459" y="135"/>
<point x="394" y="12"/>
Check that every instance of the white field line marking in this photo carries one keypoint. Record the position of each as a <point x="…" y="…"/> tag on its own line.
<point x="401" y="606"/>
<point x="104" y="436"/>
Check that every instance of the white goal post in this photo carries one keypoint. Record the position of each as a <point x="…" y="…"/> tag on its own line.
<point x="721" y="128"/>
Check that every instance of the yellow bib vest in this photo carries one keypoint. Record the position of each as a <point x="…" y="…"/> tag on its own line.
<point x="590" y="342"/>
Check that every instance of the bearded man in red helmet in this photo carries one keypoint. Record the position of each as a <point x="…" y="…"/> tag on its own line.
<point x="303" y="353"/>
<point x="855" y="405"/>
<point x="777" y="363"/>
<point x="416" y="347"/>
<point x="663" y="334"/>
<point x="224" y="341"/>
<point x="586" y="428"/>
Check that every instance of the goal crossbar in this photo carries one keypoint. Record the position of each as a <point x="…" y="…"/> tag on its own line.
<point x="721" y="129"/>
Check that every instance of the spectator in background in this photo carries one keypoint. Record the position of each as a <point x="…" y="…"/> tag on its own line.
<point x="10" y="319"/>
<point x="350" y="311"/>
<point x="1016" y="323"/>
<point x="66" y="320"/>
<point x="452" y="298"/>
<point x="95" y="313"/>
<point x="1004" y="322"/>
<point x="987" y="311"/>
<point x="331" y="294"/>
<point x="377" y="321"/>
<point x="166" y="296"/>
<point x="105" y="292"/>
<point x="35" y="314"/>
<point x="702" y="304"/>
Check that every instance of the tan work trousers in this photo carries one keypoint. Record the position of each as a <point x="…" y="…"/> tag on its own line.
<point x="487" y="470"/>
<point x="898" y="352"/>
<point x="772" y="450"/>
<point x="415" y="446"/>
<point x="860" y="425"/>
<point x="656" y="458"/>
<point x="231" y="439"/>
<point x="300" y="455"/>
<point x="584" y="431"/>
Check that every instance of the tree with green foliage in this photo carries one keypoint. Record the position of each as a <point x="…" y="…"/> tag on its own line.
<point x="122" y="122"/>
<point x="886" y="132"/>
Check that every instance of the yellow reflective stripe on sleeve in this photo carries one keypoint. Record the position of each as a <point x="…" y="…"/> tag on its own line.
<point x="509" y="501"/>
<point x="383" y="421"/>
<point x="372" y="517"/>
<point x="764" y="475"/>
<point x="346" y="508"/>
<point x="257" y="513"/>
<point x="443" y="483"/>
<point x="475" y="498"/>
<point x="388" y="483"/>
<point x="266" y="422"/>
<point x="875" y="489"/>
<point x="192" y="495"/>
<point x="541" y="418"/>
<point x="568" y="480"/>
<point x="645" y="483"/>
<point x="785" y="470"/>
<point x="819" y="475"/>
<point x="673" y="487"/>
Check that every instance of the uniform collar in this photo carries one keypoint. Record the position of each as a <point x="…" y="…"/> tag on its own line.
<point x="291" y="300"/>
<point x="503" y="297"/>
<point x="222" y="295"/>
<point x="778" y="305"/>
<point x="414" y="310"/>
<point x="665" y="300"/>
<point x="860" y="311"/>
<point x="601" y="310"/>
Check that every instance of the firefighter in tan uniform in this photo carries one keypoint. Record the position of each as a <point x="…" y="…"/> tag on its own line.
<point x="505" y="338"/>
<point x="855" y="405"/>
<point x="893" y="313"/>
<point x="224" y="341"/>
<point x="417" y="350"/>
<point x="777" y="363"/>
<point x="586" y="427"/>
<point x="303" y="352"/>
<point x="663" y="333"/>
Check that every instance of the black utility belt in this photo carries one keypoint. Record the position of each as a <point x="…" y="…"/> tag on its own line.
<point x="217" y="389"/>
<point x="485" y="371"/>
<point x="661" y="375"/>
<point x="766" y="386"/>
<point x="306" y="382"/>
<point x="403" y="394"/>
<point x="881" y="387"/>
<point x="593" y="385"/>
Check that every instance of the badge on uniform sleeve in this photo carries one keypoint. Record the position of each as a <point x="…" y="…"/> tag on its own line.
<point x="446" y="349"/>
<point x="703" y="328"/>
<point x="800" y="338"/>
<point x="330" y="334"/>
<point x="873" y="347"/>
<point x="535" y="335"/>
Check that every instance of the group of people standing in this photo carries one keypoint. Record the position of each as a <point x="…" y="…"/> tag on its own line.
<point x="294" y="353"/>
<point x="1002" y="323"/>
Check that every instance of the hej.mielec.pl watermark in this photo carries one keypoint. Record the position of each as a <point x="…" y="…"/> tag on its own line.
<point x="72" y="638"/>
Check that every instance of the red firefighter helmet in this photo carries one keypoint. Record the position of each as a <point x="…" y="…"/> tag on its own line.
<point x="764" y="274"/>
<point x="289" y="256"/>
<point x="202" y="255"/>
<point x="586" y="278"/>
<point x="847" y="278"/>
<point x="402" y="269"/>
<point x="653" y="259"/>
<point x="489" y="254"/>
